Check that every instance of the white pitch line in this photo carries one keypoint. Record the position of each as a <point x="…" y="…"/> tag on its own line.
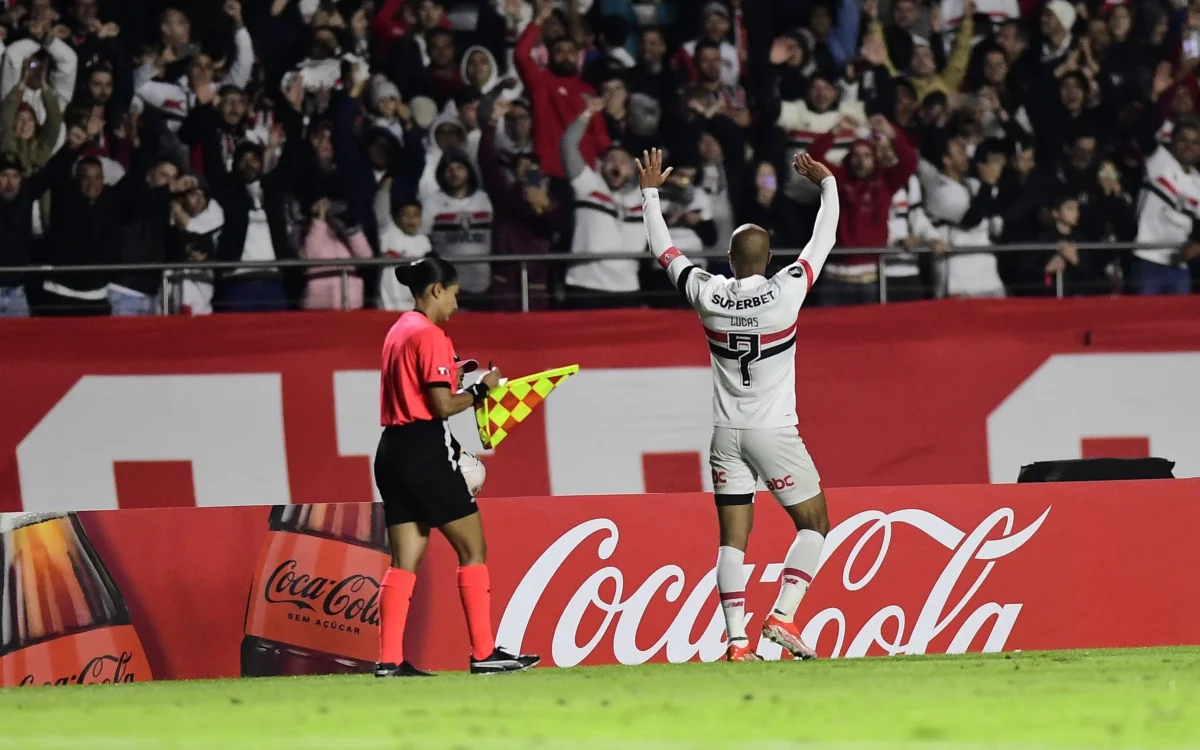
<point x="390" y="743"/>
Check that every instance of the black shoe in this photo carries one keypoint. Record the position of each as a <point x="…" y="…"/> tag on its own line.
<point x="403" y="669"/>
<point x="501" y="661"/>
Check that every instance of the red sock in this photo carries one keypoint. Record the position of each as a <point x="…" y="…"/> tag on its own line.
<point x="475" y="588"/>
<point x="394" y="597"/>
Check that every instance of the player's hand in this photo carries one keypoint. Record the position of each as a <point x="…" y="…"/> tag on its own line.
<point x="650" y="169"/>
<point x="810" y="168"/>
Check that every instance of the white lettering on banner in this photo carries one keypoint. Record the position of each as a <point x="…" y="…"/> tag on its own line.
<point x="230" y="427"/>
<point x="669" y="583"/>
<point x="565" y="647"/>
<point x="602" y="422"/>
<point x="1076" y="396"/>
<point x="930" y="621"/>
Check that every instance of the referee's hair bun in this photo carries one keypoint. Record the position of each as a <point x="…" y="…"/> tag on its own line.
<point x="419" y="275"/>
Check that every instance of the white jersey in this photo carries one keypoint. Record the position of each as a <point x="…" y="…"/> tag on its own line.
<point x="750" y="323"/>
<point x="1168" y="207"/>
<point x="461" y="228"/>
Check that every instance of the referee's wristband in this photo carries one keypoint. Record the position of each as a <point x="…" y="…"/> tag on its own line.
<point x="479" y="391"/>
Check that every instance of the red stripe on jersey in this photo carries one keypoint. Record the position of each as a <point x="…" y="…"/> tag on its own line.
<point x="717" y="336"/>
<point x="808" y="273"/>
<point x="797" y="573"/>
<point x="601" y="197"/>
<point x="670" y="255"/>
<point x="1170" y="188"/>
<point x="767" y="338"/>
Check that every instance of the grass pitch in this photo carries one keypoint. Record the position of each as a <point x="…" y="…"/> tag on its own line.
<point x="1134" y="698"/>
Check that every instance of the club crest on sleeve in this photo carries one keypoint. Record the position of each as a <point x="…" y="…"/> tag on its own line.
<point x="443" y="371"/>
<point x="796" y="272"/>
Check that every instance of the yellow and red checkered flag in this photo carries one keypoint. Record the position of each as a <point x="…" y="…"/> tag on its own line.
<point x="507" y="405"/>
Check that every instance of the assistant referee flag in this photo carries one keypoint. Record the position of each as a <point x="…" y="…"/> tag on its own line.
<point x="507" y="405"/>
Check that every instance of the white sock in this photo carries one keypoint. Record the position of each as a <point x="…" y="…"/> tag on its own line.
<point x="731" y="583"/>
<point x="798" y="569"/>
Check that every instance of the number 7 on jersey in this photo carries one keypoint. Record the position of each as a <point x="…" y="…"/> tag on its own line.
<point x="748" y="346"/>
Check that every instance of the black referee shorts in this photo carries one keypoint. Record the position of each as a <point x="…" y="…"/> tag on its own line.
<point x="417" y="473"/>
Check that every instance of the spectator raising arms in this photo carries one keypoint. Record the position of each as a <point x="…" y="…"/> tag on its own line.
<point x="558" y="96"/>
<point x="246" y="131"/>
<point x="608" y="219"/>
<point x="877" y="167"/>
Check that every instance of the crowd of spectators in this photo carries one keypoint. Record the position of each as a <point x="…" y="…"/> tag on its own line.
<point x="152" y="131"/>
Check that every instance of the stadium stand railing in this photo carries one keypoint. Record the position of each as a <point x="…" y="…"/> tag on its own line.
<point x="349" y="265"/>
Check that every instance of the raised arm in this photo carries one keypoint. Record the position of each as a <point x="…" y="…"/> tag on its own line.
<point x="527" y="68"/>
<point x="572" y="157"/>
<point x="812" y="258"/>
<point x="679" y="269"/>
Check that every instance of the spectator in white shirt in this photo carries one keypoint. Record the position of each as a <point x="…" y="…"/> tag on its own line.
<point x="1168" y="211"/>
<point x="964" y="210"/>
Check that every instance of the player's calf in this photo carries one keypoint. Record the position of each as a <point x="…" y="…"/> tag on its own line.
<point x="735" y="516"/>
<point x="811" y="520"/>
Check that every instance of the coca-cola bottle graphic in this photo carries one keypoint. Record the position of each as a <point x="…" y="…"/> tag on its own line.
<point x="62" y="619"/>
<point x="314" y="602"/>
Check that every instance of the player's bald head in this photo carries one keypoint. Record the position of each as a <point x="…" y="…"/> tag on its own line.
<point x="750" y="249"/>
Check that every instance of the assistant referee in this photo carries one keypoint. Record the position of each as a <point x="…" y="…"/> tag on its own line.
<point x="418" y="475"/>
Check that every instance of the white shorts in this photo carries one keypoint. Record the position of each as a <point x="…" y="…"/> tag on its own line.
<point x="739" y="458"/>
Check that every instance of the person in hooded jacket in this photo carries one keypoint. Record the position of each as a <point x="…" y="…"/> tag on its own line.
<point x="479" y="69"/>
<point x="458" y="219"/>
<point x="446" y="133"/>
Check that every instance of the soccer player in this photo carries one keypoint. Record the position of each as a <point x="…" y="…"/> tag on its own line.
<point x="417" y="471"/>
<point x="750" y="322"/>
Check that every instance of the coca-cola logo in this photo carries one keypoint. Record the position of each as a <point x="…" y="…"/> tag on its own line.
<point x="623" y="616"/>
<point x="103" y="669"/>
<point x="354" y="598"/>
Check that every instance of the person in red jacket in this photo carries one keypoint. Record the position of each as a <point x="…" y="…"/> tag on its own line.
<point x="558" y="94"/>
<point x="876" y="167"/>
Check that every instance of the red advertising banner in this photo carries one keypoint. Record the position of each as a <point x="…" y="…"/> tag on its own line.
<point x="184" y="593"/>
<point x="277" y="409"/>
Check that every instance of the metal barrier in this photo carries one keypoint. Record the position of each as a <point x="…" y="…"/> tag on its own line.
<point x="348" y="265"/>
